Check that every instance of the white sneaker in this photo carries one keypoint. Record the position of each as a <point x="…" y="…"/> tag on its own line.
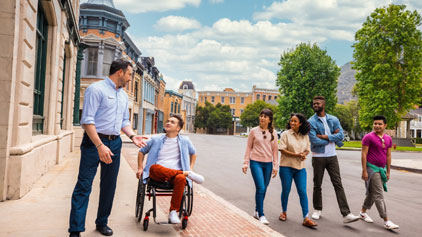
<point x="197" y="178"/>
<point x="173" y="217"/>
<point x="316" y="215"/>
<point x="350" y="218"/>
<point x="365" y="217"/>
<point x="263" y="220"/>
<point x="389" y="225"/>
<point x="256" y="215"/>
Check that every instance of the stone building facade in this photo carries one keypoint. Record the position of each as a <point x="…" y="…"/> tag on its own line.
<point x="38" y="58"/>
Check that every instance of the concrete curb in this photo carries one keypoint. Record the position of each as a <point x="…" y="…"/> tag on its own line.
<point x="413" y="170"/>
<point x="359" y="149"/>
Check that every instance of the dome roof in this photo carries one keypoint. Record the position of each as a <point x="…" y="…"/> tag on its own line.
<point x="102" y="2"/>
<point x="186" y="85"/>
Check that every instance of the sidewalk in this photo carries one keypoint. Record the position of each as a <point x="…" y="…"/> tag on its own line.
<point x="44" y="211"/>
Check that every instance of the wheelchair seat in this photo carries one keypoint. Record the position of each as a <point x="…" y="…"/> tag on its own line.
<point x="160" y="185"/>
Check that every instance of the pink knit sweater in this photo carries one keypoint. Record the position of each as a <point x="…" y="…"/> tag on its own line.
<point x="260" y="149"/>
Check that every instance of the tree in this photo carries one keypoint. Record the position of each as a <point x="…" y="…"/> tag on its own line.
<point x="343" y="113"/>
<point x="250" y="116"/>
<point x="212" y="117"/>
<point x="388" y="52"/>
<point x="305" y="72"/>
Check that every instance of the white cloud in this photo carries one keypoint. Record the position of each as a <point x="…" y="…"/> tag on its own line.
<point x="176" y="23"/>
<point x="142" y="6"/>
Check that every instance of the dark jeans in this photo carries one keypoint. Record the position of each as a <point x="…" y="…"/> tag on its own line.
<point x="261" y="173"/>
<point x="331" y="164"/>
<point x="87" y="171"/>
<point x="287" y="175"/>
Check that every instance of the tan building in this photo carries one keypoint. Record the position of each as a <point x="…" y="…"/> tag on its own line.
<point x="38" y="62"/>
<point x="267" y="95"/>
<point x="173" y="104"/>
<point x="236" y="100"/>
<point x="159" y="109"/>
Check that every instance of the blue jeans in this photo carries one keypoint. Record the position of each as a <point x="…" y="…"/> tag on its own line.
<point x="87" y="170"/>
<point x="261" y="173"/>
<point x="287" y="174"/>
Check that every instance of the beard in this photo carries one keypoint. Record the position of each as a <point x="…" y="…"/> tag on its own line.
<point x="317" y="110"/>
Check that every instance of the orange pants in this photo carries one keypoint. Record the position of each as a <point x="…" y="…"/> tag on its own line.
<point x="175" y="177"/>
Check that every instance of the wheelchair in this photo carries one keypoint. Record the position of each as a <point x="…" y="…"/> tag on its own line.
<point x="152" y="189"/>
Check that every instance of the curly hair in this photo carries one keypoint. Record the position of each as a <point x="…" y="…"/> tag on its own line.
<point x="269" y="113"/>
<point x="305" y="127"/>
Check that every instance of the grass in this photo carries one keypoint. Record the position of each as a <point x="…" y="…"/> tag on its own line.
<point x="358" y="144"/>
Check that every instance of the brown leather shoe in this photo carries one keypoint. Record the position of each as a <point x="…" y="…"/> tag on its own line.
<point x="309" y="223"/>
<point x="283" y="216"/>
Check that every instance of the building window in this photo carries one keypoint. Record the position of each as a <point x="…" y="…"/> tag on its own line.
<point x="242" y="100"/>
<point x="40" y="68"/>
<point x="107" y="60"/>
<point x="205" y="99"/>
<point x="232" y="100"/>
<point x="241" y="111"/>
<point x="63" y="84"/>
<point x="92" y="61"/>
<point x="135" y="121"/>
<point x="185" y="87"/>
<point x="222" y="99"/>
<point x="212" y="99"/>
<point x="233" y="111"/>
<point x="171" y="109"/>
<point x="178" y="109"/>
<point x="275" y="97"/>
<point x="257" y="97"/>
<point x="202" y="98"/>
<point x="269" y="97"/>
<point x="263" y="97"/>
<point x="136" y="91"/>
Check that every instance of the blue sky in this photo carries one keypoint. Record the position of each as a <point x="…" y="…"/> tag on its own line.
<point x="237" y="43"/>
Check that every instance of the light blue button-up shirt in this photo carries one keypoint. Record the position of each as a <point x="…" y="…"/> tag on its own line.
<point x="153" y="148"/>
<point x="106" y="107"/>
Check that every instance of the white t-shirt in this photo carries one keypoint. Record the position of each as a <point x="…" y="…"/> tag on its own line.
<point x="169" y="155"/>
<point x="330" y="149"/>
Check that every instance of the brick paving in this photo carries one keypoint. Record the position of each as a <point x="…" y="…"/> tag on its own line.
<point x="211" y="215"/>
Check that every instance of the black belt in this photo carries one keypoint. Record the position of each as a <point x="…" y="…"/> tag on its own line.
<point x="108" y="137"/>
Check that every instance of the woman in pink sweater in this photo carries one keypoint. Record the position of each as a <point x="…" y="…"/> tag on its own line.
<point x="262" y="156"/>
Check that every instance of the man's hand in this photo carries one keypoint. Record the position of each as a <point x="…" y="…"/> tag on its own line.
<point x="365" y="175"/>
<point x="336" y="131"/>
<point x="274" y="173"/>
<point x="139" y="141"/>
<point x="139" y="173"/>
<point x="388" y="176"/>
<point x="245" y="169"/>
<point x="105" y="154"/>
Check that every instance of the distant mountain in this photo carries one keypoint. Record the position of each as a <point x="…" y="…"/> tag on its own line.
<point x="346" y="82"/>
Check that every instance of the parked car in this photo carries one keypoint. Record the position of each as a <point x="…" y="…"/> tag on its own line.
<point x="279" y="132"/>
<point x="346" y="137"/>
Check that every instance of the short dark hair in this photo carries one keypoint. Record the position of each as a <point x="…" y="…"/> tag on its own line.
<point x="305" y="127"/>
<point x="178" y="117"/>
<point x="319" y="97"/>
<point x="380" y="117"/>
<point x="118" y="64"/>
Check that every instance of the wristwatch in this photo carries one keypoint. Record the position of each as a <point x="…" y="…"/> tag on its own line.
<point x="131" y="136"/>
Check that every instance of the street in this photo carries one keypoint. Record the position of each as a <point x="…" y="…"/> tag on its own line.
<point x="220" y="160"/>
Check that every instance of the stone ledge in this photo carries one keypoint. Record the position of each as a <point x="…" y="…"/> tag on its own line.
<point x="38" y="141"/>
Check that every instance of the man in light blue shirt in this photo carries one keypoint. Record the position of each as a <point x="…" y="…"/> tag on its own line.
<point x="105" y="113"/>
<point x="326" y="132"/>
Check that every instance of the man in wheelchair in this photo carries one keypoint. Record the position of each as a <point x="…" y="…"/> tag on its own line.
<point x="171" y="158"/>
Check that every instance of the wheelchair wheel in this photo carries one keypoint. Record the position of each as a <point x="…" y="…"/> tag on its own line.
<point x="146" y="222"/>
<point x="189" y="200"/>
<point x="184" y="223"/>
<point x="140" y="199"/>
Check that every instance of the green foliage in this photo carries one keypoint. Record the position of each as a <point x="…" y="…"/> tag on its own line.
<point x="388" y="52"/>
<point x="343" y="113"/>
<point x="250" y="116"/>
<point x="348" y="114"/>
<point x="212" y="117"/>
<point x="305" y="72"/>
